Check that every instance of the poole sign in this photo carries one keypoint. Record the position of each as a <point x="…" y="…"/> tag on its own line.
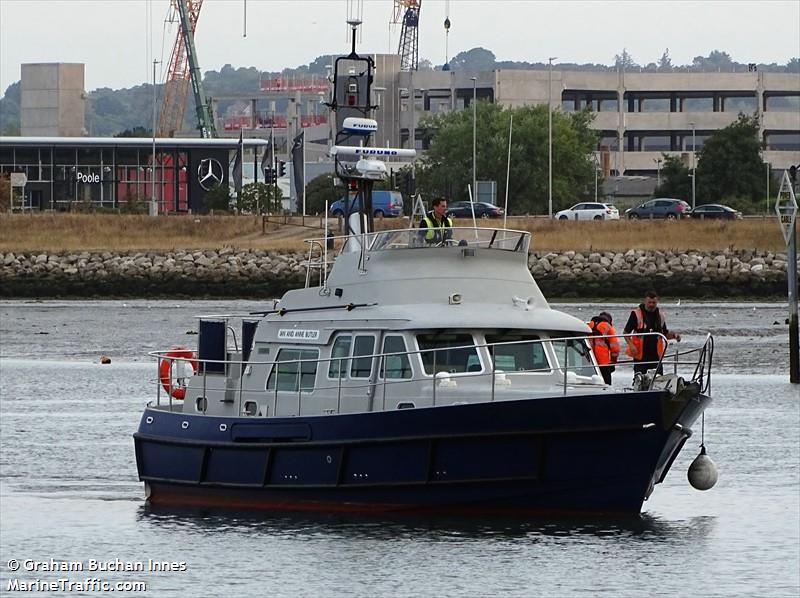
<point x="87" y="178"/>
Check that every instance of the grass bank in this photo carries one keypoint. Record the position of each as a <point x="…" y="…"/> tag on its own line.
<point x="92" y="232"/>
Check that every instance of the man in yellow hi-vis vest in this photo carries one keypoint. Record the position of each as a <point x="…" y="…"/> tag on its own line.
<point x="437" y="223"/>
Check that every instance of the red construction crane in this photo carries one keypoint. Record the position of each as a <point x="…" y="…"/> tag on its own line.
<point x="182" y="69"/>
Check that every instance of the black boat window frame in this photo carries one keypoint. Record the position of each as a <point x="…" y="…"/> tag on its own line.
<point x="286" y="358"/>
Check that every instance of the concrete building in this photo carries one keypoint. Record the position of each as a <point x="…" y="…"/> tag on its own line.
<point x="639" y="116"/>
<point x="53" y="102"/>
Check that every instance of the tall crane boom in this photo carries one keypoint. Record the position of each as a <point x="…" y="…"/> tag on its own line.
<point x="408" y="49"/>
<point x="183" y="69"/>
<point x="177" y="82"/>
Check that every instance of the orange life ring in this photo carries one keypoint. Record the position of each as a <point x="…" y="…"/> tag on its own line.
<point x="177" y="388"/>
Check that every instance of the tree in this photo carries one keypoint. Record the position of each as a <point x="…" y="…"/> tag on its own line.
<point x="218" y="198"/>
<point x="447" y="168"/>
<point x="625" y="61"/>
<point x="476" y="59"/>
<point x="259" y="198"/>
<point x="675" y="181"/>
<point x="10" y="110"/>
<point x="665" y="63"/>
<point x="716" y="61"/>
<point x="135" y="132"/>
<point x="321" y="189"/>
<point x="729" y="165"/>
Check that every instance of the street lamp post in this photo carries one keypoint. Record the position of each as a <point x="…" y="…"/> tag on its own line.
<point x="767" y="165"/>
<point x="550" y="136"/>
<point x="379" y="91"/>
<point x="658" y="169"/>
<point x="153" y="199"/>
<point x="596" y="171"/>
<point x="474" y="137"/>
<point x="694" y="165"/>
<point x="412" y="130"/>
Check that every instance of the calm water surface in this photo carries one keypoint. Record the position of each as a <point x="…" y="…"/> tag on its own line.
<point x="68" y="487"/>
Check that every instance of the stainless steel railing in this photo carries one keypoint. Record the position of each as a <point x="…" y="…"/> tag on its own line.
<point x="699" y="358"/>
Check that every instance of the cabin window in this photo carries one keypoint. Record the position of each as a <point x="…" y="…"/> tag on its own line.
<point x="454" y="353"/>
<point x="578" y="358"/>
<point x="292" y="367"/>
<point x="339" y="363"/>
<point x="395" y="366"/>
<point x="520" y="356"/>
<point x="363" y="350"/>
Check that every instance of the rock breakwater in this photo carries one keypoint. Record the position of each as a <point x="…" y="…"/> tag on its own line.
<point x="229" y="272"/>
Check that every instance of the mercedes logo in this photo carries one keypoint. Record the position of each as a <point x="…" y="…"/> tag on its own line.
<point x="209" y="173"/>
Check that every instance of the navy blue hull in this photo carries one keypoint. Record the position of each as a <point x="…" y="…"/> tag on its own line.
<point x="598" y="453"/>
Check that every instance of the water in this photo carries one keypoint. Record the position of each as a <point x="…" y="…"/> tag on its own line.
<point x="68" y="487"/>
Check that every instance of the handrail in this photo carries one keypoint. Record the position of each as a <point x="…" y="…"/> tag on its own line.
<point x="701" y="374"/>
<point x="370" y="240"/>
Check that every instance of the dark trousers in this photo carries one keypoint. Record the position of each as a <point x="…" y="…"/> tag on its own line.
<point x="606" y="370"/>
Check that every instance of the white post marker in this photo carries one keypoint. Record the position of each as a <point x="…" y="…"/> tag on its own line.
<point x="786" y="208"/>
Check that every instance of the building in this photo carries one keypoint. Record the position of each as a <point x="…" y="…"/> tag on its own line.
<point x="53" y="102"/>
<point x="639" y="116"/>
<point x="110" y="172"/>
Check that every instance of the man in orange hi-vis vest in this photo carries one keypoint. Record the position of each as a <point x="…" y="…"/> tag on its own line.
<point x="604" y="343"/>
<point x="647" y="350"/>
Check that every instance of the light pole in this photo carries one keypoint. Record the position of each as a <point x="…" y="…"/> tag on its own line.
<point x="550" y="136"/>
<point x="412" y="133"/>
<point x="694" y="165"/>
<point x="153" y="200"/>
<point x="767" y="165"/>
<point x="596" y="170"/>
<point x="658" y="167"/>
<point x="474" y="137"/>
<point x="379" y="92"/>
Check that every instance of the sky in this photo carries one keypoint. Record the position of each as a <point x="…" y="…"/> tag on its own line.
<point x="119" y="39"/>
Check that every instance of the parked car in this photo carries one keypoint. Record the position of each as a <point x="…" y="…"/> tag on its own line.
<point x="589" y="211"/>
<point x="662" y="207"/>
<point x="384" y="203"/>
<point x="715" y="210"/>
<point x="483" y="209"/>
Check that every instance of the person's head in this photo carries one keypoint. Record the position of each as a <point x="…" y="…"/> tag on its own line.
<point x="650" y="300"/>
<point x="604" y="315"/>
<point x="439" y="206"/>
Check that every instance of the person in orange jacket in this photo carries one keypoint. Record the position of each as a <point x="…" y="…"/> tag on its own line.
<point x="647" y="350"/>
<point x="604" y="343"/>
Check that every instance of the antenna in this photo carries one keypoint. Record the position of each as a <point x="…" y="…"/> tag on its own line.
<point x="354" y="23"/>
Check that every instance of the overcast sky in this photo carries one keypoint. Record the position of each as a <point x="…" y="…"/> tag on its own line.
<point x="118" y="39"/>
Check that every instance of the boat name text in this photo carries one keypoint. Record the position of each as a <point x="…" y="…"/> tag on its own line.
<point x="298" y="334"/>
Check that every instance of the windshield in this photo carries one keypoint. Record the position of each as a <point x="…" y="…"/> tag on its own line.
<point x="487" y="238"/>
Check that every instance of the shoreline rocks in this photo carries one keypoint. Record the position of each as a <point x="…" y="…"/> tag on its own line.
<point x="259" y="273"/>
